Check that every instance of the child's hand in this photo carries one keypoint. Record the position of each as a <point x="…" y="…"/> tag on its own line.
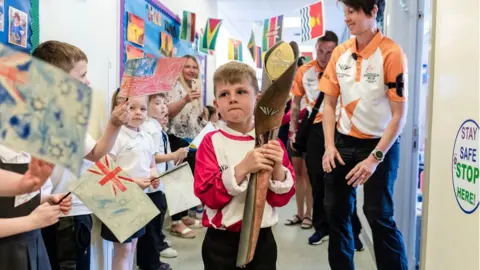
<point x="143" y="183"/>
<point x="181" y="154"/>
<point x="65" y="205"/>
<point x="37" y="174"/>
<point x="120" y="115"/>
<point x="45" y="215"/>
<point x="253" y="162"/>
<point x="274" y="152"/>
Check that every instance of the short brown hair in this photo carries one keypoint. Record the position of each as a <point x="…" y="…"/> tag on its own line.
<point x="235" y="72"/>
<point x="154" y="96"/>
<point x="60" y="54"/>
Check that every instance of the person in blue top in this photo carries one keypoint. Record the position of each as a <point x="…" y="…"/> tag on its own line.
<point x="17" y="29"/>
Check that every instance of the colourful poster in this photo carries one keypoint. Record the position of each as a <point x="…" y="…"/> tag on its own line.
<point x="235" y="50"/>
<point x="312" y="21"/>
<point x="17" y="27"/>
<point x="150" y="76"/>
<point x="166" y="47"/>
<point x="188" y="26"/>
<point x="135" y="30"/>
<point x="44" y="111"/>
<point x="114" y="198"/>
<point x="2" y="15"/>
<point x="154" y="15"/>
<point x="211" y="34"/>
<point x="272" y="32"/>
<point x="134" y="52"/>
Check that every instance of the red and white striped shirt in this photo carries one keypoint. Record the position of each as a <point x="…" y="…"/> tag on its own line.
<point x="216" y="187"/>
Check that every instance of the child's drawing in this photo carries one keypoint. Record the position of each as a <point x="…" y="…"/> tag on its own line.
<point x="114" y="198"/>
<point x="149" y="76"/>
<point x="44" y="111"/>
<point x="179" y="189"/>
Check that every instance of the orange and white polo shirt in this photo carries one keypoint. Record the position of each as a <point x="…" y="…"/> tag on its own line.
<point x="305" y="84"/>
<point x="366" y="82"/>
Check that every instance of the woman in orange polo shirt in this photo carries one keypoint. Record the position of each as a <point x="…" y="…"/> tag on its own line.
<point x="367" y="72"/>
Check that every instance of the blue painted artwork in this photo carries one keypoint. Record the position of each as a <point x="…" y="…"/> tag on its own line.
<point x="44" y="111"/>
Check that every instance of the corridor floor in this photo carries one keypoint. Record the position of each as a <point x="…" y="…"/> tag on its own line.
<point x="293" y="251"/>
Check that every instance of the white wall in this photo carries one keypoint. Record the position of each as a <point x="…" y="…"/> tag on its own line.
<point x="450" y="237"/>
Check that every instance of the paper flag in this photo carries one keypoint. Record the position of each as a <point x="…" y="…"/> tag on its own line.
<point x="210" y="36"/>
<point x="235" y="50"/>
<point x="272" y="32"/>
<point x="313" y="25"/>
<point x="43" y="110"/>
<point x="188" y="26"/>
<point x="258" y="57"/>
<point x="178" y="183"/>
<point x="149" y="76"/>
<point x="251" y="45"/>
<point x="308" y="56"/>
<point x="198" y="140"/>
<point x="114" y="198"/>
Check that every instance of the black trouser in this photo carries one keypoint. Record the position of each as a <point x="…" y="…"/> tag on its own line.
<point x="175" y="144"/>
<point x="220" y="248"/>
<point x="378" y="206"/>
<point x="315" y="151"/>
<point x="153" y="241"/>
<point x="68" y="242"/>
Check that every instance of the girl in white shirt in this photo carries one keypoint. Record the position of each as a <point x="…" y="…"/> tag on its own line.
<point x="134" y="153"/>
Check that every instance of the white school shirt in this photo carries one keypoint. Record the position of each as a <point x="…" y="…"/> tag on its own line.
<point x="155" y="129"/>
<point x="63" y="177"/>
<point x="133" y="152"/>
<point x="8" y="155"/>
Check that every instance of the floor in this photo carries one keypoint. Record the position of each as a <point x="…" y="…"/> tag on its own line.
<point x="292" y="249"/>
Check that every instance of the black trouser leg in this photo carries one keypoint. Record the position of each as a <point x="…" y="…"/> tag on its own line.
<point x="315" y="150"/>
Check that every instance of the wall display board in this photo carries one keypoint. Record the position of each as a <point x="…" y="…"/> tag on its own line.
<point x="19" y="24"/>
<point x="150" y="29"/>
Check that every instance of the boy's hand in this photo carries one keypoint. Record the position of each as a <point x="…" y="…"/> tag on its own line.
<point x="38" y="173"/>
<point x="181" y="154"/>
<point x="143" y="183"/>
<point x="274" y="152"/>
<point x="45" y="215"/>
<point x="120" y="115"/>
<point x="65" y="205"/>
<point x="254" y="161"/>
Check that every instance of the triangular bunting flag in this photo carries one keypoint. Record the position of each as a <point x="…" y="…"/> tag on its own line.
<point x="209" y="39"/>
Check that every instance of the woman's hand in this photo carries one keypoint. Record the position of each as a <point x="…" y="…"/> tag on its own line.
<point x="191" y="96"/>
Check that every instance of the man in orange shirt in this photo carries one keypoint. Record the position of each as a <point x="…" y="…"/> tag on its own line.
<point x="367" y="73"/>
<point x="306" y="86"/>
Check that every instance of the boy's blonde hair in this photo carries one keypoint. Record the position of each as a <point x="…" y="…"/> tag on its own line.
<point x="60" y="54"/>
<point x="235" y="72"/>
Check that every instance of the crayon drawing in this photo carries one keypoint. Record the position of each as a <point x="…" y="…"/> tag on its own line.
<point x="166" y="44"/>
<point x="44" y="111"/>
<point x="18" y="27"/>
<point x="133" y="52"/>
<point x="114" y="198"/>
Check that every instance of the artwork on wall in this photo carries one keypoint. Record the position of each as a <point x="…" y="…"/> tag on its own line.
<point x="135" y="30"/>
<point x="19" y="24"/>
<point x="166" y="44"/>
<point x="2" y="15"/>
<point x="134" y="52"/>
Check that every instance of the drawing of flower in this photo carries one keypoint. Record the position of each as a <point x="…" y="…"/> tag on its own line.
<point x="82" y="119"/>
<point x="55" y="148"/>
<point x="65" y="87"/>
<point x="38" y="104"/>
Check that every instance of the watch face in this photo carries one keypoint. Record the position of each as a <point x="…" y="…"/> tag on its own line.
<point x="378" y="154"/>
